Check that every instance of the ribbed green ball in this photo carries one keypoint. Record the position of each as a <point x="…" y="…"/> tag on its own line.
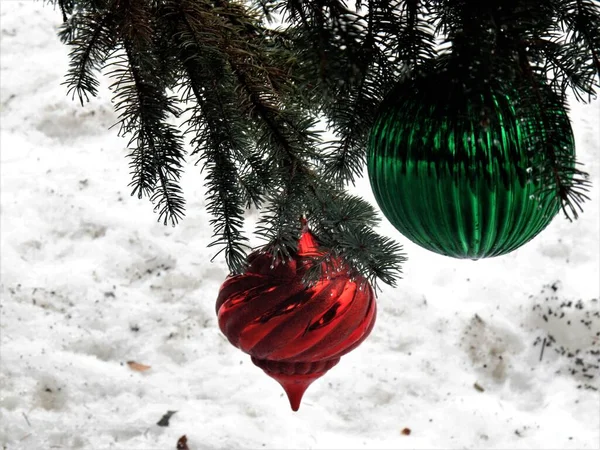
<point x="456" y="170"/>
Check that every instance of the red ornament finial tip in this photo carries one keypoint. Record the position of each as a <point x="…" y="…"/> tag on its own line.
<point x="303" y="224"/>
<point x="295" y="386"/>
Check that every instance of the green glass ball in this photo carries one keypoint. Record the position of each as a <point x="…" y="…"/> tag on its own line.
<point x="456" y="170"/>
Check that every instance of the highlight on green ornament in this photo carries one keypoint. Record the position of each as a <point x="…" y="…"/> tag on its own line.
<point x="458" y="169"/>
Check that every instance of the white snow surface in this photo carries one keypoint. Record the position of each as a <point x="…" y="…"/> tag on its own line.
<point x="90" y="281"/>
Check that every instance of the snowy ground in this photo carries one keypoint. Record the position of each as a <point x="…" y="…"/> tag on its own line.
<point x="91" y="281"/>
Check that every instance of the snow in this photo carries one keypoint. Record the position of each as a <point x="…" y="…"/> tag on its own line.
<point x="90" y="281"/>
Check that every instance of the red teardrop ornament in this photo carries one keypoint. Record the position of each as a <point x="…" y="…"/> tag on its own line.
<point x="295" y="333"/>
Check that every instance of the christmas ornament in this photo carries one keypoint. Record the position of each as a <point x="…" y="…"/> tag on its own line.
<point x="293" y="332"/>
<point x="455" y="167"/>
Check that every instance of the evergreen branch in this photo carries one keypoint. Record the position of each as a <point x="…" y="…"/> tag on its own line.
<point x="347" y="159"/>
<point x="128" y="100"/>
<point x="412" y="11"/>
<point x="344" y="96"/>
<point x="158" y="153"/>
<point x="254" y="93"/>
<point x="66" y="8"/>
<point x="560" y="180"/>
<point x="351" y="119"/>
<point x="226" y="206"/>
<point x="254" y="178"/>
<point x="405" y="31"/>
<point x="68" y="29"/>
<point x="588" y="25"/>
<point x="219" y="129"/>
<point x="262" y="88"/>
<point x="582" y="22"/>
<point x="350" y="98"/>
<point x="281" y="130"/>
<point x="208" y="57"/>
<point x="168" y="197"/>
<point x="91" y="45"/>
<point x="217" y="142"/>
<point x="567" y="73"/>
<point x="280" y="218"/>
<point x="376" y="257"/>
<point x="344" y="224"/>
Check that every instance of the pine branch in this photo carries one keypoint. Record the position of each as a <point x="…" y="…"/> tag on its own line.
<point x="226" y="206"/>
<point x="406" y="30"/>
<point x="158" y="153"/>
<point x="220" y="127"/>
<point x="558" y="60"/>
<point x="91" y="44"/>
<point x="216" y="145"/>
<point x="66" y="8"/>
<point x="581" y="21"/>
<point x="352" y="57"/>
<point x="281" y="129"/>
<point x="217" y="142"/>
<point x="351" y="120"/>
<point x="559" y="178"/>
<point x="254" y="94"/>
<point x="344" y="225"/>
<point x="346" y="159"/>
<point x="279" y="223"/>
<point x="168" y="196"/>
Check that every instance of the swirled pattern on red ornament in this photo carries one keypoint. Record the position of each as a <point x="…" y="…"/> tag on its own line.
<point x="289" y="328"/>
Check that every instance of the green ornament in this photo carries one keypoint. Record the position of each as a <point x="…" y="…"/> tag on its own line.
<point x="457" y="169"/>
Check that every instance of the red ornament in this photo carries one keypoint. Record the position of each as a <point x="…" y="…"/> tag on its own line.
<point x="293" y="332"/>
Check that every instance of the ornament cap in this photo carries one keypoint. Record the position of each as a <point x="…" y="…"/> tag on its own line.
<point x="307" y="246"/>
<point x="303" y="225"/>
